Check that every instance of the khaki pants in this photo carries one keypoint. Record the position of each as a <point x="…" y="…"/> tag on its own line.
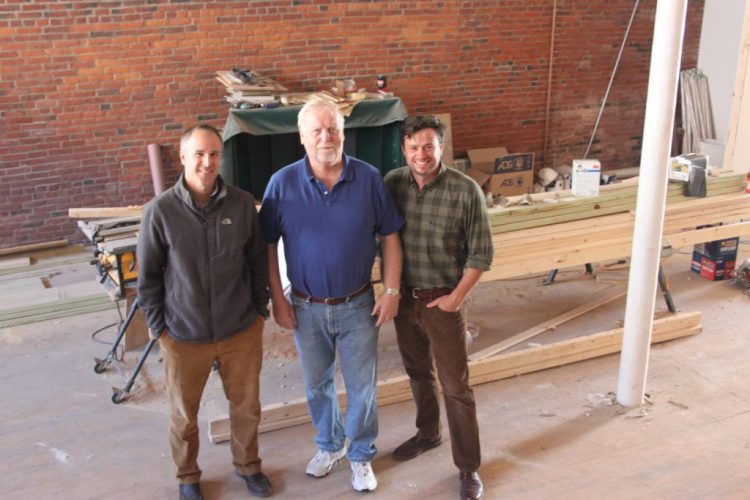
<point x="187" y="367"/>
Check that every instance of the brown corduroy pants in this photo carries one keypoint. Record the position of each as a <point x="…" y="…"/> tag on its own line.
<point x="187" y="367"/>
<point x="430" y="338"/>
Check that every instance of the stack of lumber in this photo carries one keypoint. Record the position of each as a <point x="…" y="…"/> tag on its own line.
<point x="556" y="207"/>
<point x="101" y="231"/>
<point x="577" y="241"/>
<point x="55" y="309"/>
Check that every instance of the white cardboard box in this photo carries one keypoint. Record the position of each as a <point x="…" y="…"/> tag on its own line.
<point x="680" y="166"/>
<point x="586" y="174"/>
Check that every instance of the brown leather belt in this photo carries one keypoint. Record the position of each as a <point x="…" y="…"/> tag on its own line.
<point x="331" y="301"/>
<point x="426" y="293"/>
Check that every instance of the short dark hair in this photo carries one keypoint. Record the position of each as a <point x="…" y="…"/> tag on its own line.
<point x="201" y="126"/>
<point x="414" y="124"/>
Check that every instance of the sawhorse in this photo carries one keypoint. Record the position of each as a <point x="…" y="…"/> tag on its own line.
<point x="663" y="285"/>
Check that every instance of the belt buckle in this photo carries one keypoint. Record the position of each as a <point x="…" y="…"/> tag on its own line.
<point x="328" y="300"/>
<point x="414" y="293"/>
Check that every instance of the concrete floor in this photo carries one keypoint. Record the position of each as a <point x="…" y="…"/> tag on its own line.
<point x="551" y="434"/>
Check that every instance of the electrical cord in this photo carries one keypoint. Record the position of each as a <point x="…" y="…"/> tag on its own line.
<point x="117" y="357"/>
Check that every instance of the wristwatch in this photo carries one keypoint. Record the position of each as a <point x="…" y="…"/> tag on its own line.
<point x="392" y="291"/>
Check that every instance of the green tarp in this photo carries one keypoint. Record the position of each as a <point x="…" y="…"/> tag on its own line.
<point x="258" y="142"/>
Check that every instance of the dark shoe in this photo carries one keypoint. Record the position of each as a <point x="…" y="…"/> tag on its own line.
<point x="415" y="446"/>
<point x="191" y="492"/>
<point x="257" y="484"/>
<point x="471" y="486"/>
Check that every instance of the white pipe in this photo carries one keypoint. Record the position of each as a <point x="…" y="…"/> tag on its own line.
<point x="666" y="50"/>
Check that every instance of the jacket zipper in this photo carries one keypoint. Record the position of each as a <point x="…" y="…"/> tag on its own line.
<point x="208" y="278"/>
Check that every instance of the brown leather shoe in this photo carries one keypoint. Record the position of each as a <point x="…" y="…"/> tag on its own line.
<point x="415" y="446"/>
<point x="471" y="486"/>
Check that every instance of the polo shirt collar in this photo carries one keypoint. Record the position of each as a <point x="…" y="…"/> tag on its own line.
<point x="347" y="173"/>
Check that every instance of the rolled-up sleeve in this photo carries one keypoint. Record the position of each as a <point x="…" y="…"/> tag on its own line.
<point x="479" y="233"/>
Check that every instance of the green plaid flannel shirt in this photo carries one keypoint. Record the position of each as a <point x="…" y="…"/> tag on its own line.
<point x="447" y="227"/>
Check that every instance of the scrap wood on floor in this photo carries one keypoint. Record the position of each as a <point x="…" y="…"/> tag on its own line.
<point x="33" y="247"/>
<point x="395" y="390"/>
<point x="546" y="326"/>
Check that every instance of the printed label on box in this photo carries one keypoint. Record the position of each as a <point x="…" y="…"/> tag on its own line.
<point x="712" y="269"/>
<point x="514" y="163"/>
<point x="586" y="174"/>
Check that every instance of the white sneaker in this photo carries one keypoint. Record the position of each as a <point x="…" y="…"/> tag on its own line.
<point x="323" y="461"/>
<point x="363" y="478"/>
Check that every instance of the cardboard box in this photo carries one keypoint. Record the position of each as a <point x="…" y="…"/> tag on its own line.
<point x="680" y="166"/>
<point x="725" y="249"/>
<point x="502" y="173"/>
<point x="585" y="177"/>
<point x="712" y="269"/>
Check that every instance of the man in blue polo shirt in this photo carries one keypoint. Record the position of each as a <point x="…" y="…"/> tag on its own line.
<point x="328" y="207"/>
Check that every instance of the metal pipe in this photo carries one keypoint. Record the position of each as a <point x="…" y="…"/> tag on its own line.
<point x="548" y="161"/>
<point x="666" y="51"/>
<point x="611" y="79"/>
<point x="157" y="173"/>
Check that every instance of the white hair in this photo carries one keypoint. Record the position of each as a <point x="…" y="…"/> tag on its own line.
<point x="317" y="104"/>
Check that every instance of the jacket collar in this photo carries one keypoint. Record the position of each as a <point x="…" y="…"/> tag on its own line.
<point x="220" y="191"/>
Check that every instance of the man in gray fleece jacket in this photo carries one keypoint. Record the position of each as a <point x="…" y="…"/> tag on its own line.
<point x="202" y="283"/>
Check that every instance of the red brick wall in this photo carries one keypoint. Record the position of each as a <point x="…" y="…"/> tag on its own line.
<point x="86" y="86"/>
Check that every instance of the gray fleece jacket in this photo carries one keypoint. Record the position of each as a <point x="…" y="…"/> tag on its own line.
<point x="202" y="273"/>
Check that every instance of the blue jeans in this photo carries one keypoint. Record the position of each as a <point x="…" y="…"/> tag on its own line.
<point x="350" y="329"/>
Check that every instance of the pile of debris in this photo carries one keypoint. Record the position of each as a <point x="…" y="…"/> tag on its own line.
<point x="246" y="89"/>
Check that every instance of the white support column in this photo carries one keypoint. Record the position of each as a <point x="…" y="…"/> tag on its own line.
<point x="666" y="50"/>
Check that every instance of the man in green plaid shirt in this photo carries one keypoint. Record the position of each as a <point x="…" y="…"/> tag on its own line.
<point x="447" y="245"/>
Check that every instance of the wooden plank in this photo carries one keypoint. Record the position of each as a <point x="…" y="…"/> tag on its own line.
<point x="15" y="262"/>
<point x="735" y="154"/>
<point x="685" y="238"/>
<point x="101" y="212"/>
<point x="397" y="389"/>
<point x="33" y="247"/>
<point x="546" y="326"/>
<point x="123" y="231"/>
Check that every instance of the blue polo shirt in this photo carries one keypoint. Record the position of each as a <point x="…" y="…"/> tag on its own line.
<point x="329" y="237"/>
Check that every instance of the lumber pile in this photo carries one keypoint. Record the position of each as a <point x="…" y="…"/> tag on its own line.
<point x="395" y="390"/>
<point x="575" y="242"/>
<point x="56" y="309"/>
<point x="556" y="207"/>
